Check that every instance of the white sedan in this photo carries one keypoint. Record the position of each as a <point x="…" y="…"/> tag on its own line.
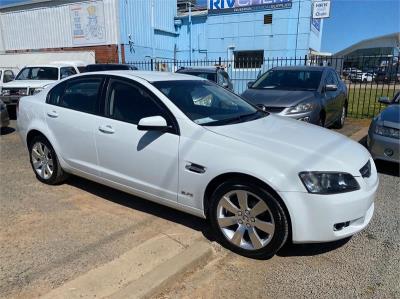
<point x="260" y="179"/>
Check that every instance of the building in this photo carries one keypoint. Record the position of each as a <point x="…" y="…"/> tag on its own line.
<point x="240" y="29"/>
<point x="62" y="25"/>
<point x="144" y="30"/>
<point x="372" y="53"/>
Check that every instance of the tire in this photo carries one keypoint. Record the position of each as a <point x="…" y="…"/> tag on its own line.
<point x="44" y="162"/>
<point x="341" y="120"/>
<point x="257" y="231"/>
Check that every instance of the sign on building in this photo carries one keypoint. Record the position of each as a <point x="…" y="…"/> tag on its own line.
<point x="236" y="6"/>
<point x="321" y="9"/>
<point x="87" y="21"/>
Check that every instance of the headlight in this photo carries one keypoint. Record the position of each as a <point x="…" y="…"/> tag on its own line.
<point x="387" y="132"/>
<point x="301" y="108"/>
<point x="328" y="182"/>
<point x="34" y="91"/>
<point x="5" y="92"/>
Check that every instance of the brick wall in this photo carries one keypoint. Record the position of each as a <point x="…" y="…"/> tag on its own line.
<point x="104" y="53"/>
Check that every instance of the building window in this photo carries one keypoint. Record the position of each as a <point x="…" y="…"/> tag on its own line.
<point x="268" y="19"/>
<point x="249" y="59"/>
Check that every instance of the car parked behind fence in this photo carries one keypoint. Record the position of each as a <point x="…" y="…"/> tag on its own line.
<point x="216" y="74"/>
<point x="311" y="94"/>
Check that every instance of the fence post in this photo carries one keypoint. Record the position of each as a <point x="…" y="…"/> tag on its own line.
<point x="151" y="62"/>
<point x="219" y="61"/>
<point x="305" y="59"/>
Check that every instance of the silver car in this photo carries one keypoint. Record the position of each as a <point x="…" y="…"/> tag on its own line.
<point x="4" y="119"/>
<point x="384" y="131"/>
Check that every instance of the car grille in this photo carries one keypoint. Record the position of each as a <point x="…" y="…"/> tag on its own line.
<point x="17" y="91"/>
<point x="366" y="170"/>
<point x="271" y="109"/>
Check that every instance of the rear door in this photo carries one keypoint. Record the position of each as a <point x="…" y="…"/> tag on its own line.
<point x="71" y="114"/>
<point x="146" y="161"/>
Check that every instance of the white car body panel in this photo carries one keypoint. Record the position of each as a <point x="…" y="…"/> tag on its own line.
<point x="152" y="165"/>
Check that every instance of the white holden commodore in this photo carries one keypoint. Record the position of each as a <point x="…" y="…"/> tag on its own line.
<point x="187" y="143"/>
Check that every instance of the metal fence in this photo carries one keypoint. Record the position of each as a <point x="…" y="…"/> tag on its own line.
<point x="367" y="77"/>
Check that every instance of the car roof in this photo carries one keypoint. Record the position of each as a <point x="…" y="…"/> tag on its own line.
<point x="55" y="65"/>
<point x="304" y="68"/>
<point x="201" y="68"/>
<point x="149" y="76"/>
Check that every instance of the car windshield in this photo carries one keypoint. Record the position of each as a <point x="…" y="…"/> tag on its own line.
<point x="289" y="79"/>
<point x="38" y="73"/>
<point x="208" y="104"/>
<point x="205" y="75"/>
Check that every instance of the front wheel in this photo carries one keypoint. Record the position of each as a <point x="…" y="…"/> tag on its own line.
<point x="248" y="220"/>
<point x="45" y="163"/>
<point x="340" y="122"/>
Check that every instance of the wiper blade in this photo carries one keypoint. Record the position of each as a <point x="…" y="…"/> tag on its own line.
<point x="232" y="120"/>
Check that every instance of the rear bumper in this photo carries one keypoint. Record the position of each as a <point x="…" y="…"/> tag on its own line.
<point x="316" y="218"/>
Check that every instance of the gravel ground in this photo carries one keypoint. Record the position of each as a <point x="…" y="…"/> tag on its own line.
<point x="365" y="266"/>
<point x="49" y="235"/>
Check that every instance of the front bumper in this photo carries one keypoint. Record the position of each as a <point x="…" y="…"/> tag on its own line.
<point x="4" y="119"/>
<point x="10" y="100"/>
<point x="315" y="218"/>
<point x="384" y="148"/>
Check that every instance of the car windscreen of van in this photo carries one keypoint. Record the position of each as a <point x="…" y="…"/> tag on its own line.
<point x="38" y="73"/>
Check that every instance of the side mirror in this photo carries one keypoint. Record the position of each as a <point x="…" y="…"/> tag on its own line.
<point x="331" y="87"/>
<point x="384" y="100"/>
<point x="250" y="84"/>
<point x="152" y="123"/>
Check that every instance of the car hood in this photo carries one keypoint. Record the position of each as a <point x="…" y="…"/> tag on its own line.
<point x="298" y="145"/>
<point x="391" y="114"/>
<point x="277" y="98"/>
<point x="28" y="83"/>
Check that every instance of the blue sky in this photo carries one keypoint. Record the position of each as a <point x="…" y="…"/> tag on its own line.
<point x="355" y="20"/>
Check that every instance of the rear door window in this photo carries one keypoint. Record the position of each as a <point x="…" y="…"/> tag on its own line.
<point x="82" y="94"/>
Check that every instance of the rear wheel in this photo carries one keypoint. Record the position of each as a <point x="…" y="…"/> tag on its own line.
<point x="248" y="220"/>
<point x="45" y="163"/>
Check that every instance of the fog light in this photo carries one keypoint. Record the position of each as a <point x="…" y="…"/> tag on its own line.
<point x="388" y="152"/>
<point x="341" y="225"/>
<point x="306" y="119"/>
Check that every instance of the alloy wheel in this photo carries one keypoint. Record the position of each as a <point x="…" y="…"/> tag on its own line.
<point x="245" y="220"/>
<point x="42" y="160"/>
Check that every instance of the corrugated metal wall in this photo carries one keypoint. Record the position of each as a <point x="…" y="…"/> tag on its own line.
<point x="49" y="26"/>
<point x="137" y="27"/>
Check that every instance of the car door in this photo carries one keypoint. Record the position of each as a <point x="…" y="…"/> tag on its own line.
<point x="71" y="114"/>
<point x="146" y="161"/>
<point x="330" y="98"/>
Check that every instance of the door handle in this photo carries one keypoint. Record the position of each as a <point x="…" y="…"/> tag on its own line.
<point x="106" y="129"/>
<point x="52" y="114"/>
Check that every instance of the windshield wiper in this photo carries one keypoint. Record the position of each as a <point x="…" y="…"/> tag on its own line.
<point x="236" y="119"/>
